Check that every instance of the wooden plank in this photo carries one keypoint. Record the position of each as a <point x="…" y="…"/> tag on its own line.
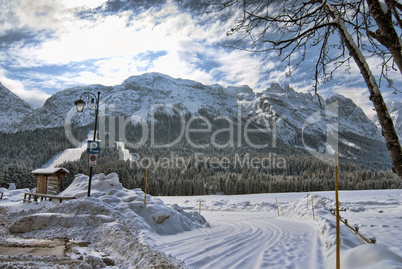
<point x="41" y="184"/>
<point x="49" y="196"/>
<point x="355" y="229"/>
<point x="53" y="186"/>
<point x="42" y="197"/>
<point x="25" y="198"/>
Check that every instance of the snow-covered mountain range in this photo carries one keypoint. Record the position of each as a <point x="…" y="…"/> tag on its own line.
<point x="289" y="115"/>
<point x="12" y="109"/>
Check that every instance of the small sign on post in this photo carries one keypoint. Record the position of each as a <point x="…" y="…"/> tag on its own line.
<point x="93" y="147"/>
<point x="92" y="160"/>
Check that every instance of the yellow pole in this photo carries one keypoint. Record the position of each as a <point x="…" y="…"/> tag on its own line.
<point x="312" y="206"/>
<point x="145" y="189"/>
<point x="307" y="201"/>
<point x="277" y="205"/>
<point x="338" y="237"/>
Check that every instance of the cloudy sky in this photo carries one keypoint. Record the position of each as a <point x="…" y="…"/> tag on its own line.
<point x="50" y="45"/>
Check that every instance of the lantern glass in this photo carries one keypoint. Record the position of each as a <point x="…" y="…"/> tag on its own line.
<point x="80" y="104"/>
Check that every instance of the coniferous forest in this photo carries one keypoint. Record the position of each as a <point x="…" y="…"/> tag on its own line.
<point x="180" y="170"/>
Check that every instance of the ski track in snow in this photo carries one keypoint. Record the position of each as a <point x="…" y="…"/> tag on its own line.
<point x="246" y="240"/>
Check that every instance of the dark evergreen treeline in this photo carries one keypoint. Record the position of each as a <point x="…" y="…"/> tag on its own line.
<point x="302" y="173"/>
<point x="22" y="152"/>
<point x="184" y="170"/>
<point x="18" y="174"/>
<point x="33" y="148"/>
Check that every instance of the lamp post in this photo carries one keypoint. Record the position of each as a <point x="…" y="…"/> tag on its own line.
<point x="93" y="104"/>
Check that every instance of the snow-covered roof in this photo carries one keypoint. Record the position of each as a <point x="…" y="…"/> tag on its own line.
<point x="48" y="171"/>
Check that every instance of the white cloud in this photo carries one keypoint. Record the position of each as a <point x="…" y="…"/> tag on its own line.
<point x="109" y="48"/>
<point x="34" y="97"/>
<point x="48" y="14"/>
<point x="109" y="72"/>
<point x="113" y="40"/>
<point x="104" y="37"/>
<point x="243" y="67"/>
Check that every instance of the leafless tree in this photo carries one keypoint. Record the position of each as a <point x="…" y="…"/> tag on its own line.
<point x="367" y="28"/>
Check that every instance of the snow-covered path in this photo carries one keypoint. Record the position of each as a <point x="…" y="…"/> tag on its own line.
<point x="246" y="240"/>
<point x="244" y="230"/>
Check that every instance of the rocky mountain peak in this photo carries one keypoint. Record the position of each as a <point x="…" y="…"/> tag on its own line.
<point x="12" y="109"/>
<point x="275" y="88"/>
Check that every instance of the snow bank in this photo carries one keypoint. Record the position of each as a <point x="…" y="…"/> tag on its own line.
<point x="370" y="257"/>
<point x="129" y="205"/>
<point x="113" y="219"/>
<point x="12" y="196"/>
<point x="227" y="204"/>
<point x="354" y="252"/>
<point x="325" y="221"/>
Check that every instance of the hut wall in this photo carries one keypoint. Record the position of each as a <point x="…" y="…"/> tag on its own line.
<point x="41" y="184"/>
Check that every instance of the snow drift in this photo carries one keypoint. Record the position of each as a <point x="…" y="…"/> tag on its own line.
<point x="114" y="219"/>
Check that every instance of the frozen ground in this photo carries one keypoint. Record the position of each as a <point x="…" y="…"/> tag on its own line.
<point x="106" y="229"/>
<point x="246" y="240"/>
<point x="115" y="229"/>
<point x="246" y="231"/>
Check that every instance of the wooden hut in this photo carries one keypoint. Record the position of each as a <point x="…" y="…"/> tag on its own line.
<point x="48" y="180"/>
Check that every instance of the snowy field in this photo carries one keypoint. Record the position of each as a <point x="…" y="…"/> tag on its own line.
<point x="260" y="239"/>
<point x="114" y="229"/>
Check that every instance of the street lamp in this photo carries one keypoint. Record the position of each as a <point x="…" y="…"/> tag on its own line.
<point x="93" y="104"/>
<point x="80" y="104"/>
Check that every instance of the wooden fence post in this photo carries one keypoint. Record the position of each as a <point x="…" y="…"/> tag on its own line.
<point x="338" y="237"/>
<point x="277" y="206"/>
<point x="145" y="189"/>
<point x="312" y="206"/>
